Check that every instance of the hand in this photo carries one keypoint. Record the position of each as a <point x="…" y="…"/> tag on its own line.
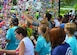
<point x="27" y="16"/>
<point x="1" y="51"/>
<point x="31" y="37"/>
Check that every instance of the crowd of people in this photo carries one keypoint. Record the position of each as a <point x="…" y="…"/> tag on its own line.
<point x="48" y="36"/>
<point x="38" y="33"/>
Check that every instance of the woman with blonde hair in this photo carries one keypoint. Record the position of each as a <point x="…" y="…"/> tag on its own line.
<point x="43" y="43"/>
<point x="42" y="46"/>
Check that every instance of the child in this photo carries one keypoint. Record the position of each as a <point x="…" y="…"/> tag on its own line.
<point x="70" y="29"/>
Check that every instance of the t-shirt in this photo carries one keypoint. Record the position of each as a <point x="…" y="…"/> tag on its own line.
<point x="10" y="35"/>
<point x="57" y="23"/>
<point x="73" y="44"/>
<point x="63" y="49"/>
<point x="42" y="47"/>
<point x="29" y="48"/>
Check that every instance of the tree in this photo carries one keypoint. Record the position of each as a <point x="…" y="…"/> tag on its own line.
<point x="75" y="6"/>
<point x="67" y="2"/>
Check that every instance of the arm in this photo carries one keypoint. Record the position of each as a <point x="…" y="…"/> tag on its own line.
<point x="33" y="39"/>
<point x="21" y="48"/>
<point x="7" y="40"/>
<point x="36" y="53"/>
<point x="30" y="18"/>
<point x="8" y="51"/>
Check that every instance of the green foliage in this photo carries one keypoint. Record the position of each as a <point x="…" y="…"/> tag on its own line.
<point x="75" y="6"/>
<point x="67" y="1"/>
<point x="68" y="4"/>
<point x="62" y="12"/>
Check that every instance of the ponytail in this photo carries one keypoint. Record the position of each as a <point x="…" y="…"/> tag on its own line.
<point x="45" y="31"/>
<point x="46" y="35"/>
